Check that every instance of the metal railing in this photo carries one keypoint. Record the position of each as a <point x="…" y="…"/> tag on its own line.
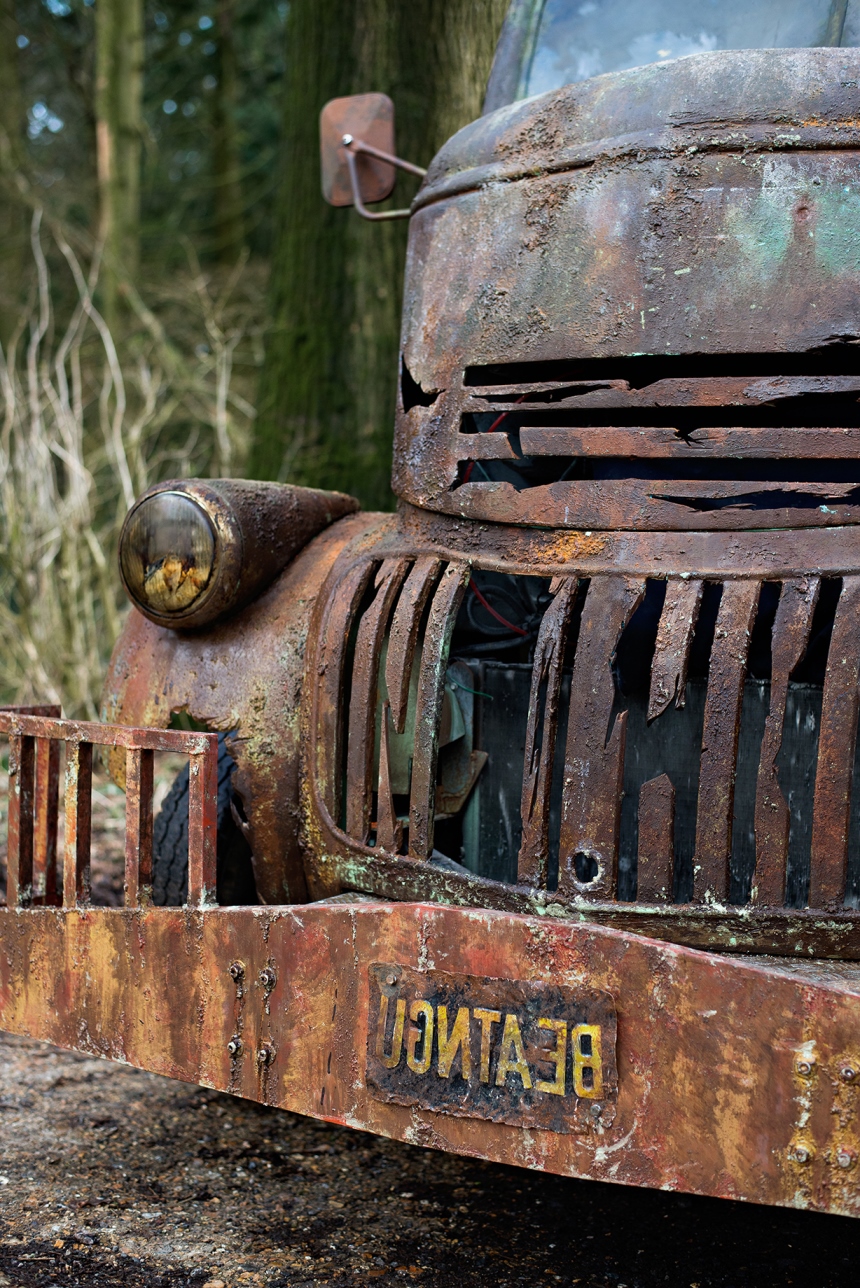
<point x="35" y="735"/>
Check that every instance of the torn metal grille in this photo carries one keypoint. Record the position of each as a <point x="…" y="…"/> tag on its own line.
<point x="681" y="742"/>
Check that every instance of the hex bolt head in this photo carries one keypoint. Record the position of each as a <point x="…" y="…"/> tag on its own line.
<point x="391" y="980"/>
<point x="268" y="978"/>
<point x="848" y="1073"/>
<point x="237" y="971"/>
<point x="804" y="1068"/>
<point x="265" y="1056"/>
<point x="801" y="1154"/>
<point x="234" y="1046"/>
<point x="845" y="1157"/>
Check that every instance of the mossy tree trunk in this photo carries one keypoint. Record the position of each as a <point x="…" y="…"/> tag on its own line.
<point x="13" y="211"/>
<point x="119" y="125"/>
<point x="328" y="385"/>
<point x="225" y="141"/>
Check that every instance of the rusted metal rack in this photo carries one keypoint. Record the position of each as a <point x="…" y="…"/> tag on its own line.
<point x="36" y="735"/>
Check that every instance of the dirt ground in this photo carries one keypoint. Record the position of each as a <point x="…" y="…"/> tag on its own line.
<point x="110" y="1176"/>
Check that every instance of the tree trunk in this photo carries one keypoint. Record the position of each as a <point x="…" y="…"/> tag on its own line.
<point x="328" y="386"/>
<point x="118" y="97"/>
<point x="13" y="214"/>
<point x="225" y="142"/>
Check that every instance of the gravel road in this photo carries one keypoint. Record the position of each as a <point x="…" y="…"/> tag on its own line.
<point x="112" y="1176"/>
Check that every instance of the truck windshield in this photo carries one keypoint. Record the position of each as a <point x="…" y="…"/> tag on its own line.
<point x="576" y="39"/>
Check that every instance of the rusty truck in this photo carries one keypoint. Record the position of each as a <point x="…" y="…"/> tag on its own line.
<point x="523" y="821"/>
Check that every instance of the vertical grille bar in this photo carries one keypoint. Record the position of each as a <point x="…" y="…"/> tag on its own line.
<point x="594" y="758"/>
<point x="138" y="823"/>
<point x="540" y="754"/>
<point x="363" y="696"/>
<point x="340" y="615"/>
<point x="656" y="854"/>
<point x="836" y="744"/>
<point x="404" y="635"/>
<point x="79" y="804"/>
<point x="672" y="648"/>
<point x="791" y="627"/>
<point x="431" y="680"/>
<point x="714" y="814"/>
<point x="389" y="830"/>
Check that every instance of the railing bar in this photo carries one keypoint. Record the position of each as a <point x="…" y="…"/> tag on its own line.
<point x="138" y="824"/>
<point x="79" y="804"/>
<point x="102" y="735"/>
<point x="203" y="826"/>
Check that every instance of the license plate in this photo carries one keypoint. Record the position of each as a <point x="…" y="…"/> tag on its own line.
<point x="531" y="1054"/>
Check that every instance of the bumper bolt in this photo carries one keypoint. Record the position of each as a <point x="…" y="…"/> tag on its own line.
<point x="848" y="1073"/>
<point x="268" y="978"/>
<point x="845" y="1158"/>
<point x="234" y="1047"/>
<point x="237" y="971"/>
<point x="265" y="1056"/>
<point x="801" y="1154"/>
<point x="804" y="1068"/>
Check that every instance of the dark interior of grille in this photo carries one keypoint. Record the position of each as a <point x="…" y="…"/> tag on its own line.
<point x="490" y="668"/>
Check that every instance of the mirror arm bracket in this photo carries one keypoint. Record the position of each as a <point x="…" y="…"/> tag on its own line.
<point x="351" y="147"/>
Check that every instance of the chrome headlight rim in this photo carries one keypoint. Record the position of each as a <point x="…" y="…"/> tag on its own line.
<point x="222" y="585"/>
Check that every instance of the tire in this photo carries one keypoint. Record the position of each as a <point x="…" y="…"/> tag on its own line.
<point x="235" y="883"/>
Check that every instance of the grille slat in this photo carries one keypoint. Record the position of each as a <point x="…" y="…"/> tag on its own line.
<point x="714" y="814"/>
<point x="672" y="648"/>
<point x="791" y="629"/>
<point x="656" y="851"/>
<point x="836" y="746"/>
<point x="541" y="735"/>
<point x="428" y="710"/>
<point x="362" y="706"/>
<point x="341" y="615"/>
<point x="594" y="755"/>
<point x="404" y="635"/>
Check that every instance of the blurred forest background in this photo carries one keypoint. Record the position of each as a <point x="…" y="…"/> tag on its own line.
<point x="175" y="297"/>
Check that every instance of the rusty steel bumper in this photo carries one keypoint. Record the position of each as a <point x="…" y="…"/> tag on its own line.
<point x="736" y="1077"/>
<point x="551" y="1044"/>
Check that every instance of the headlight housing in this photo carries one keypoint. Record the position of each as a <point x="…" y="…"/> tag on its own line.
<point x="192" y="550"/>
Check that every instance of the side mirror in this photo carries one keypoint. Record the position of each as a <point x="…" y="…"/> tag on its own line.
<point x="357" y="153"/>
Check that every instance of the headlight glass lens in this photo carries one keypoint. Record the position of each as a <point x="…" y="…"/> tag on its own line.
<point x="168" y="552"/>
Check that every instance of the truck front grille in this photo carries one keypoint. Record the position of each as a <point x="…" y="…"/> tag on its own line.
<point x="628" y="739"/>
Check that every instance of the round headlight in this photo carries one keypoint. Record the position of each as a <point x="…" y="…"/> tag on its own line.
<point x="167" y="553"/>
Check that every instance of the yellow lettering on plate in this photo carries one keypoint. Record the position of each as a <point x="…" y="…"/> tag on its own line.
<point x="414" y="1036"/>
<point x="512" y="1042"/>
<point x="588" y="1034"/>
<point x="558" y="1057"/>
<point x="450" y="1042"/>
<point x="486" y="1019"/>
<point x="390" y="1061"/>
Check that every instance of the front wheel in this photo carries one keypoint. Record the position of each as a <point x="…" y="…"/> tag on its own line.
<point x="235" y="884"/>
